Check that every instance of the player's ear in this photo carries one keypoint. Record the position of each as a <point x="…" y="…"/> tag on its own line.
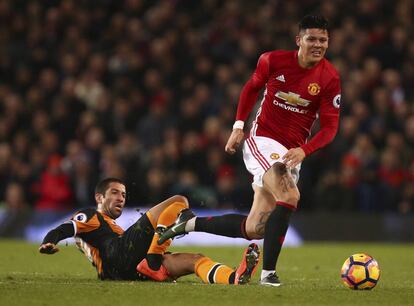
<point x="98" y="198"/>
<point x="298" y="40"/>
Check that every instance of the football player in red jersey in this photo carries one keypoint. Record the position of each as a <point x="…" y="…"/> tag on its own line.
<point x="134" y="254"/>
<point x="299" y="86"/>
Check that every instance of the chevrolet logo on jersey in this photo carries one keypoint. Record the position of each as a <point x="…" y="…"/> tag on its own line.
<point x="292" y="99"/>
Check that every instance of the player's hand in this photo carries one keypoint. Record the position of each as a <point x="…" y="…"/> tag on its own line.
<point x="48" y="248"/>
<point x="294" y="157"/>
<point x="234" y="141"/>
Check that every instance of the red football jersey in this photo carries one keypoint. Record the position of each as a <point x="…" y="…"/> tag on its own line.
<point x="292" y="99"/>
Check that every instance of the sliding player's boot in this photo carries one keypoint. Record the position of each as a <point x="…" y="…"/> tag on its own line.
<point x="178" y="227"/>
<point x="158" y="275"/>
<point x="248" y="265"/>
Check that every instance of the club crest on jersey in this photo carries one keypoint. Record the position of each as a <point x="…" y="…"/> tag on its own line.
<point x="274" y="156"/>
<point x="314" y="89"/>
<point x="292" y="98"/>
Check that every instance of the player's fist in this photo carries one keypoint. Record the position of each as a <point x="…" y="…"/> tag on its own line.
<point x="234" y="141"/>
<point x="48" y="248"/>
<point x="294" y="157"/>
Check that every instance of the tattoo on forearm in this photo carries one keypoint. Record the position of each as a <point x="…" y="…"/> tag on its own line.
<point x="260" y="226"/>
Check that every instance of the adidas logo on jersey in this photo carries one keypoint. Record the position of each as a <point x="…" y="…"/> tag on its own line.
<point x="281" y="78"/>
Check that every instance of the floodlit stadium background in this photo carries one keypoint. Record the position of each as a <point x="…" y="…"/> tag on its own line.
<point x="147" y="91"/>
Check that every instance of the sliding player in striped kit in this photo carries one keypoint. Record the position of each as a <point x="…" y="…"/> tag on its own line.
<point x="134" y="254"/>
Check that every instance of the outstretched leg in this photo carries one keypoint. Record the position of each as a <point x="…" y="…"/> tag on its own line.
<point x="211" y="272"/>
<point x="231" y="225"/>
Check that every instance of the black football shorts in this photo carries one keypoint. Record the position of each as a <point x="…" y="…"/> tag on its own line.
<point x="127" y="251"/>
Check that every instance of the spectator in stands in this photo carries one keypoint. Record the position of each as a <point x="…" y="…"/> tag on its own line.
<point x="93" y="73"/>
<point x="54" y="193"/>
<point x="14" y="212"/>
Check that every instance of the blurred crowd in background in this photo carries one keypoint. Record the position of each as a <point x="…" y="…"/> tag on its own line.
<point x="147" y="91"/>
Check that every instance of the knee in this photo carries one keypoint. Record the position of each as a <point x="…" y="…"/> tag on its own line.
<point x="195" y="257"/>
<point x="198" y="256"/>
<point x="182" y="199"/>
<point x="284" y="187"/>
<point x="253" y="231"/>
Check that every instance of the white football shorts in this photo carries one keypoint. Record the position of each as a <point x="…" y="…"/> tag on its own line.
<point x="260" y="153"/>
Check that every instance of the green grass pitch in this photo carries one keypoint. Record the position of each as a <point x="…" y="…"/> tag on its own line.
<point x="310" y="276"/>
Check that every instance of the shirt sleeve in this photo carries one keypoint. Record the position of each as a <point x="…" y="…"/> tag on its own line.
<point x="61" y="232"/>
<point x="85" y="221"/>
<point x="251" y="89"/>
<point x="82" y="221"/>
<point x="328" y="118"/>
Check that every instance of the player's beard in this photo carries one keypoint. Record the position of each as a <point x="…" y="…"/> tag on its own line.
<point x="116" y="211"/>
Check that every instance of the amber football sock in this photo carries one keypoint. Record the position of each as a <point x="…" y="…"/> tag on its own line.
<point x="166" y="218"/>
<point x="212" y="272"/>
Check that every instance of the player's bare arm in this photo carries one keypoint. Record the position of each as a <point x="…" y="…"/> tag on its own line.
<point x="48" y="248"/>
<point x="234" y="141"/>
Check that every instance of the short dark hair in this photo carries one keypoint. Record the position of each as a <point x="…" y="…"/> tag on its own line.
<point x="314" y="22"/>
<point x="102" y="186"/>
